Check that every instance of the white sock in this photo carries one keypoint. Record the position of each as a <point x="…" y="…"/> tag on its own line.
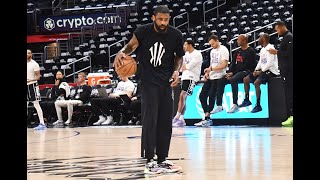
<point x="177" y="115"/>
<point x="39" y="111"/>
<point x="181" y="117"/>
<point x="27" y="107"/>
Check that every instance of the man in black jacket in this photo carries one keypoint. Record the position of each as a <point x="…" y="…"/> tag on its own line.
<point x="285" y="62"/>
<point x="242" y="64"/>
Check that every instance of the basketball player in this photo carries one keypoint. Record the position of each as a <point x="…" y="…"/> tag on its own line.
<point x="33" y="93"/>
<point x="191" y="70"/>
<point x="215" y="80"/>
<point x="285" y="61"/>
<point x="243" y="63"/>
<point x="159" y="54"/>
<point x="266" y="68"/>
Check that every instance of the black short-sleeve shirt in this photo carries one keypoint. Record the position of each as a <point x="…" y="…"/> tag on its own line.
<point x="156" y="52"/>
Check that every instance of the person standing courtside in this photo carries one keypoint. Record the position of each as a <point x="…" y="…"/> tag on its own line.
<point x="191" y="70"/>
<point x="285" y="61"/>
<point x="243" y="63"/>
<point x="159" y="49"/>
<point x="215" y="80"/>
<point x="33" y="92"/>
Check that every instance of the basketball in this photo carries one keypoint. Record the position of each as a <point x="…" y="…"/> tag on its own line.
<point x="128" y="68"/>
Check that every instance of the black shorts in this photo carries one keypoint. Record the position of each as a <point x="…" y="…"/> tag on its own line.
<point x="187" y="86"/>
<point x="263" y="77"/>
<point x="33" y="92"/>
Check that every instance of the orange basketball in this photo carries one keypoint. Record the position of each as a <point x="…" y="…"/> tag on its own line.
<point x="128" y="68"/>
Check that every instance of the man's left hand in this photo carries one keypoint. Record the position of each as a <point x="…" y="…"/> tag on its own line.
<point x="256" y="73"/>
<point x="273" y="51"/>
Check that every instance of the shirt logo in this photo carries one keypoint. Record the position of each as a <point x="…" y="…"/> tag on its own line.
<point x="157" y="51"/>
<point x="239" y="58"/>
<point x="215" y="58"/>
<point x="264" y="60"/>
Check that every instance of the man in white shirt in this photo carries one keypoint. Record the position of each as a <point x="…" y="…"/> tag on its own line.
<point x="33" y="92"/>
<point x="102" y="106"/>
<point x="191" y="70"/>
<point x="266" y="68"/>
<point x="215" y="80"/>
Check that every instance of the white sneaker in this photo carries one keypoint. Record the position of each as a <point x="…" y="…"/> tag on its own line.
<point x="174" y="120"/>
<point x="179" y="123"/>
<point x="216" y="110"/>
<point x="58" y="122"/>
<point x="109" y="121"/>
<point x="67" y="122"/>
<point x="100" y="121"/>
<point x="233" y="109"/>
<point x="168" y="167"/>
<point x="204" y="123"/>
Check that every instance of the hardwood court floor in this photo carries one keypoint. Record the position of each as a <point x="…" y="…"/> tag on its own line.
<point x="218" y="153"/>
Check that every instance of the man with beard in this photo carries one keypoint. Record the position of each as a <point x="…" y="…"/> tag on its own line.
<point x="159" y="49"/>
<point x="285" y="61"/>
<point x="33" y="92"/>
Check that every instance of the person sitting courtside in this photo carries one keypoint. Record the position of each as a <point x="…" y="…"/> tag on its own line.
<point x="81" y="96"/>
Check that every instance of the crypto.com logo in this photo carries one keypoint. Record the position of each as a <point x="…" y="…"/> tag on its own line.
<point x="49" y="24"/>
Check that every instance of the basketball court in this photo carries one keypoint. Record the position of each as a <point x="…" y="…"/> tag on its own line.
<point x="105" y="153"/>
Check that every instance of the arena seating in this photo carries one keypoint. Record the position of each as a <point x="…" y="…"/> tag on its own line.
<point x="231" y="22"/>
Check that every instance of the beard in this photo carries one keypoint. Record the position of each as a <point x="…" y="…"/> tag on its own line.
<point x="158" y="28"/>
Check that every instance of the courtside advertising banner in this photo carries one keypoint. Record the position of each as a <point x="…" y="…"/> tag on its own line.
<point x="194" y="108"/>
<point x="75" y="22"/>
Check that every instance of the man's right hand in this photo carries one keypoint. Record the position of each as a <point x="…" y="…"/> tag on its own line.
<point x="113" y="95"/>
<point x="57" y="82"/>
<point x="207" y="70"/>
<point x="118" y="59"/>
<point x="230" y="74"/>
<point x="206" y="77"/>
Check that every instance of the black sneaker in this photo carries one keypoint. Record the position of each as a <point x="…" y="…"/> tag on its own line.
<point x="245" y="103"/>
<point x="152" y="168"/>
<point x="257" y="108"/>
